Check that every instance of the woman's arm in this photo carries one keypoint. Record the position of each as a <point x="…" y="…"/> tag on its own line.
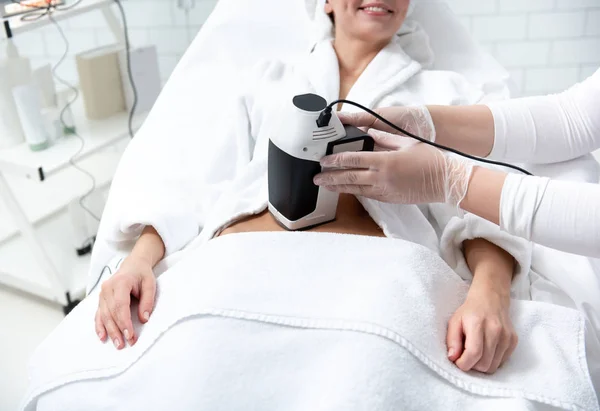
<point x="480" y="334"/>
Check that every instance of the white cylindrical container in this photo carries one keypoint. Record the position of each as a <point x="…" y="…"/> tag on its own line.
<point x="53" y="124"/>
<point x="20" y="67"/>
<point x="44" y="80"/>
<point x="11" y="132"/>
<point x="27" y="99"/>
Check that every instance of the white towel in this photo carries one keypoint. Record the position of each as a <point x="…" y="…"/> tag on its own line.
<point x="307" y="321"/>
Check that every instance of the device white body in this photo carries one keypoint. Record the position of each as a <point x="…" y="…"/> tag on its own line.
<point x="304" y="140"/>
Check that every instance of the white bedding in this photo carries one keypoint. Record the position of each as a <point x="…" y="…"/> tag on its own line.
<point x="304" y="321"/>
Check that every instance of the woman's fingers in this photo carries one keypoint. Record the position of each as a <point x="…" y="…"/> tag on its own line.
<point x="491" y="335"/>
<point x="100" y="329"/>
<point x="514" y="341"/>
<point x="120" y="308"/>
<point x="474" y="343"/>
<point x="503" y="346"/>
<point x="455" y="338"/>
<point x="111" y="327"/>
<point x="148" y="293"/>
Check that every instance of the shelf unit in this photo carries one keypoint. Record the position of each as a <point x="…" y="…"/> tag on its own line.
<point x="39" y="169"/>
<point x="14" y="26"/>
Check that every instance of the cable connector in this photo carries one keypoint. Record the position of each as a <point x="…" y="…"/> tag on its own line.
<point x="324" y="117"/>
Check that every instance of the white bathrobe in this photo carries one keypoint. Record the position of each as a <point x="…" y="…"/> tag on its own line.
<point x="193" y="192"/>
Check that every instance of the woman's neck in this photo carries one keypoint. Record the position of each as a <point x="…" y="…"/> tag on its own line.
<point x="353" y="58"/>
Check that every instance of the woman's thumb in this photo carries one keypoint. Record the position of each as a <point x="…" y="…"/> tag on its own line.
<point x="455" y="338"/>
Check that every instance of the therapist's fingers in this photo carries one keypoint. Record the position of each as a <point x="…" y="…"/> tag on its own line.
<point x="345" y="177"/>
<point x="474" y="348"/>
<point x="100" y="329"/>
<point x="491" y="336"/>
<point x="352" y="159"/>
<point x="455" y="337"/>
<point x="146" y="297"/>
<point x="360" y="119"/>
<point x="388" y="141"/>
<point x="364" y="119"/>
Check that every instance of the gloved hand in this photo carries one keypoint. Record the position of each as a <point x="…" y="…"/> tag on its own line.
<point x="416" y="120"/>
<point x="413" y="174"/>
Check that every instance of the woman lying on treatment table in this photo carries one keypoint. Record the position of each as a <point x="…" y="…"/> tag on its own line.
<point x="366" y="63"/>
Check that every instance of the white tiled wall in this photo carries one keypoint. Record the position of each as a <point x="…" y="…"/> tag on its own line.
<point x="158" y="22"/>
<point x="546" y="44"/>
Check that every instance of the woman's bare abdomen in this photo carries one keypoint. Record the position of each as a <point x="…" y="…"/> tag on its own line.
<point x="351" y="218"/>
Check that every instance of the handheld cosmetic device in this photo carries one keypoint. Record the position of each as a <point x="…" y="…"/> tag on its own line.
<point x="294" y="200"/>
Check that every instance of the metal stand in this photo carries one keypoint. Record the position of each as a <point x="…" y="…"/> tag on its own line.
<point x="57" y="292"/>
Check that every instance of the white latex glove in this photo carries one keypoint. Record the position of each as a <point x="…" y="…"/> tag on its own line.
<point x="401" y="173"/>
<point x="416" y="120"/>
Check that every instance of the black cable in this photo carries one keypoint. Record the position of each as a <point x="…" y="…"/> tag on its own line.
<point x="100" y="277"/>
<point x="129" y="71"/>
<point x="326" y="116"/>
<point x="106" y="267"/>
<point x="63" y="122"/>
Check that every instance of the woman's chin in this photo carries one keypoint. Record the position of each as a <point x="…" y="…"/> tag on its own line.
<point x="376" y="36"/>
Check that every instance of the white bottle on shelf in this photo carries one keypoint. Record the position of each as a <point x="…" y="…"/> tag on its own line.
<point x="11" y="132"/>
<point x="44" y="80"/>
<point x="19" y="67"/>
<point x="27" y="99"/>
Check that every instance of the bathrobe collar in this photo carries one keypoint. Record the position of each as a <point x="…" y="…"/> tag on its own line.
<point x="391" y="68"/>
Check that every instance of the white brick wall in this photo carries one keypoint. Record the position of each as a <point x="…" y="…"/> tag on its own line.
<point x="546" y="44"/>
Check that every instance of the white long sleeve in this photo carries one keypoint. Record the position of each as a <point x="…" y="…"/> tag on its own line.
<point x="548" y="129"/>
<point x="557" y="214"/>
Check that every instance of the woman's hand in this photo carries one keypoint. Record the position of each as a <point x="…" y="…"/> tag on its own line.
<point x="480" y="334"/>
<point x="113" y="318"/>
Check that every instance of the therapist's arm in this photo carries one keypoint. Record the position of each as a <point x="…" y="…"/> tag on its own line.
<point x="543" y="129"/>
<point x="480" y="334"/>
<point x="557" y="214"/>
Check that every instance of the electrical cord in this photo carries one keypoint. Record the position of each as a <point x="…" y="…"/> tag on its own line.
<point x="63" y="122"/>
<point x="129" y="70"/>
<point x="325" y="117"/>
<point x="106" y="267"/>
